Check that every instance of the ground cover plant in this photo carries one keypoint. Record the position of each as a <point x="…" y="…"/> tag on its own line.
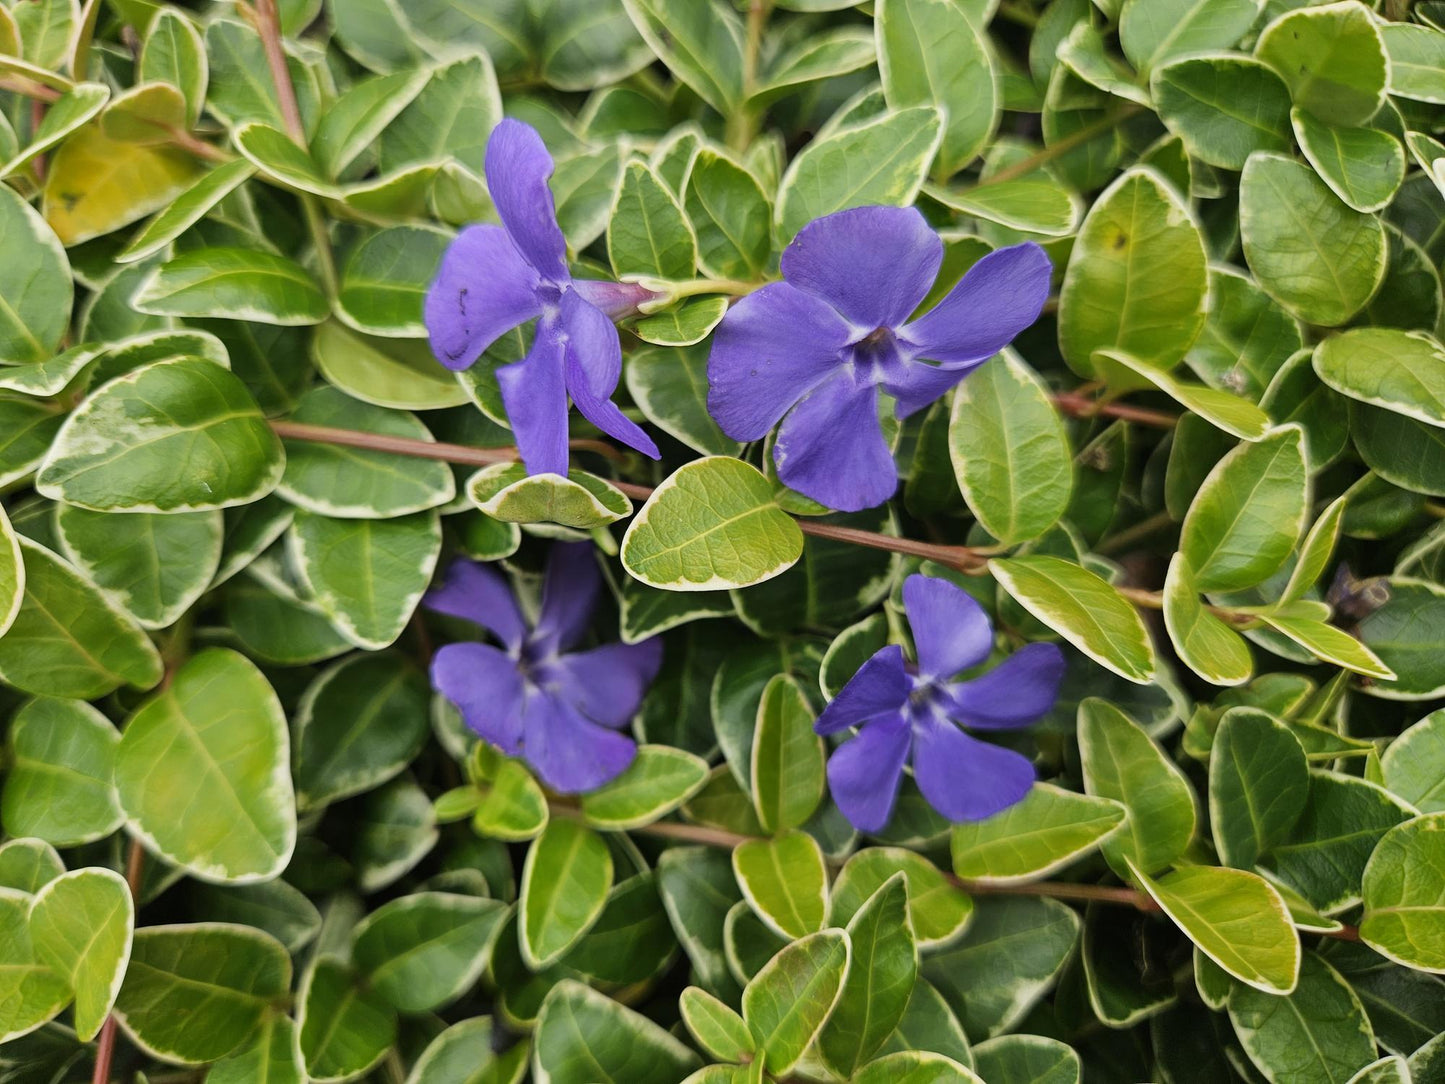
<point x="983" y="620"/>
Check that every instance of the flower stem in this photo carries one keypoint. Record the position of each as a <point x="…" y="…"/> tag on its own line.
<point x="742" y="121"/>
<point x="1081" y="406"/>
<point x="105" y="1042"/>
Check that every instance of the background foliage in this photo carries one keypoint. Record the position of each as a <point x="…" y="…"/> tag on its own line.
<point x="1214" y="470"/>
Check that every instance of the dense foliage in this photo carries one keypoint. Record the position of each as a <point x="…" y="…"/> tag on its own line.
<point x="1155" y="605"/>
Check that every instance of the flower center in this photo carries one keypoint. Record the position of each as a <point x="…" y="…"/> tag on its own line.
<point x="875" y="357"/>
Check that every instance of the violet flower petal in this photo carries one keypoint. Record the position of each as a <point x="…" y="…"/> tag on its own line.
<point x="483" y="289"/>
<point x="963" y="778"/>
<point x="607" y="684"/>
<point x="950" y="629"/>
<point x="831" y="447"/>
<point x="486" y="688"/>
<point x="921" y="385"/>
<point x="999" y="296"/>
<point x="873" y="264"/>
<point x="517" y="167"/>
<point x="1014" y="693"/>
<point x="880" y="686"/>
<point x="534" y="391"/>
<point x="475" y="593"/>
<point x="865" y="771"/>
<point x="569" y="593"/>
<point x="594" y="364"/>
<point x="772" y="348"/>
<point x="571" y="754"/>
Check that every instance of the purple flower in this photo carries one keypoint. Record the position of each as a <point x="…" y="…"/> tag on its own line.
<point x="559" y="710"/>
<point x="901" y="708"/>
<point x="813" y="351"/>
<point x="494" y="278"/>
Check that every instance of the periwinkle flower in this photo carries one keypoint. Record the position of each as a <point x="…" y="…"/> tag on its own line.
<point x="902" y="708"/>
<point x="813" y="351"/>
<point x="562" y="711"/>
<point x="495" y="278"/>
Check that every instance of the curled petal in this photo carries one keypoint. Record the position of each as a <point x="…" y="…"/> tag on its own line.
<point x="772" y="348"/>
<point x="607" y="684"/>
<point x="873" y="264"/>
<point x="865" y="771"/>
<point x="571" y="754"/>
<point x="950" y="629"/>
<point x="593" y="365"/>
<point x="486" y="688"/>
<point x="534" y="391"/>
<point x="476" y="593"/>
<point x="963" y="778"/>
<point x="483" y="289"/>
<point x="517" y="167"/>
<point x="569" y="592"/>
<point x="831" y="447"/>
<point x="615" y="299"/>
<point x="999" y="296"/>
<point x="1014" y="693"/>
<point x="880" y="686"/>
<point x="919" y="384"/>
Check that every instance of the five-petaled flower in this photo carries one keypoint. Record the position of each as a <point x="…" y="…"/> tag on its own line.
<point x="495" y="278"/>
<point x="562" y="711"/>
<point x="818" y="346"/>
<point x="901" y="707"/>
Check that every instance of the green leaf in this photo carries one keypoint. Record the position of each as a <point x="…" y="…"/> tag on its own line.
<point x="938" y="910"/>
<point x="1319" y="1034"/>
<point x="343" y="1028"/>
<point x="30" y="992"/>
<point x="144" y="114"/>
<point x="1083" y="608"/>
<point x="233" y="284"/>
<point x="684" y="325"/>
<point x="239" y="88"/>
<point x="1010" y="453"/>
<point x="1313" y="254"/>
<point x="670" y="387"/>
<point x="701" y="44"/>
<point x="787" y="1003"/>
<point x="1136" y="280"/>
<point x="1247" y="340"/>
<point x="1332" y="58"/>
<point x="81" y="926"/>
<point x="1036" y="203"/>
<point x="274" y="907"/>
<point x="648" y="232"/>
<point x="1404" y="894"/>
<point x="880" y="980"/>
<point x="1249" y="513"/>
<point x="820" y="57"/>
<point x="360" y="723"/>
<point x="1027" y="1059"/>
<point x="731" y="214"/>
<point x="1204" y="641"/>
<point x="384" y="282"/>
<point x="1047" y="831"/>
<point x="1315" y="551"/>
<point x="367" y="575"/>
<point x="713" y="524"/>
<point x="1084" y="53"/>
<point x="719" y="1030"/>
<point x="928" y="1024"/>
<point x="1405" y="634"/>
<point x="785" y="882"/>
<point x="174" y="53"/>
<point x="58" y="787"/>
<point x="1258" y="785"/>
<point x="631" y="942"/>
<point x="1151" y="34"/>
<point x="219" y="734"/>
<point x="355" y="120"/>
<point x="172" y="436"/>
<point x="787" y="780"/>
<point x="1224" y="410"/>
<point x="152" y="566"/>
<point x="465" y="1054"/>
<point x="452" y="116"/>
<point x="359" y="483"/>
<point x="916" y="1067"/>
<point x="1413" y="765"/>
<point x="583" y="501"/>
<point x="658" y="780"/>
<point x="584" y="1037"/>
<point x="27" y="865"/>
<point x="1223" y="106"/>
<point x="1024" y="942"/>
<point x="273" y="1057"/>
<point x="698" y="888"/>
<point x="423" y="951"/>
<point x="898" y="147"/>
<point x="1391" y="1070"/>
<point x="195" y="993"/>
<point x="930" y="53"/>
<point x="514" y="808"/>
<point x="35" y="284"/>
<point x="68" y="639"/>
<point x="1236" y="918"/>
<point x="1417" y="55"/>
<point x="1330" y="644"/>
<point x="1363" y="166"/>
<point x="565" y="881"/>
<point x="1121" y="762"/>
<point x="71" y="110"/>
<point x="1324" y="856"/>
<point x="1402" y="371"/>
